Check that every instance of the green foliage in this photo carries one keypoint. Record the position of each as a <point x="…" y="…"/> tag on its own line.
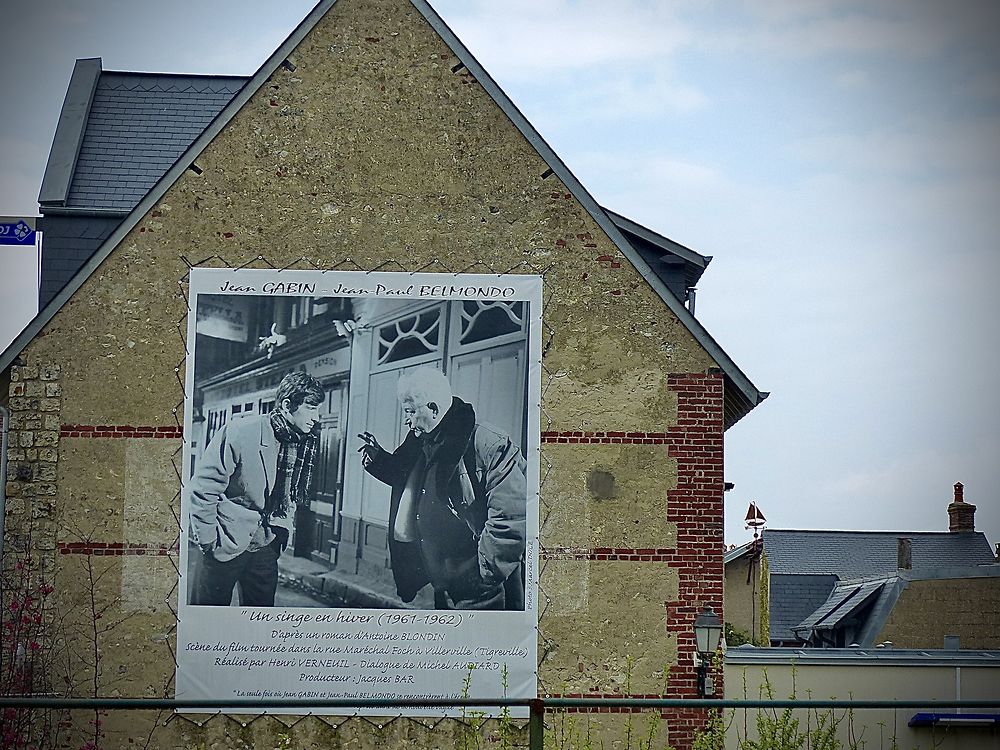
<point x="473" y="721"/>
<point x="764" y="608"/>
<point x="824" y="729"/>
<point x="734" y="636"/>
<point x="775" y="731"/>
<point x="713" y="736"/>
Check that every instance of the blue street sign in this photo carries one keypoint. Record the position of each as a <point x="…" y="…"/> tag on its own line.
<point x="18" y="233"/>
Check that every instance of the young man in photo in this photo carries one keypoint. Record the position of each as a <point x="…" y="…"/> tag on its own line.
<point x="457" y="509"/>
<point x="246" y="486"/>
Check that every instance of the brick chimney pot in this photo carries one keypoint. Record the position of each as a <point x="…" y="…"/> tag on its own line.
<point x="961" y="515"/>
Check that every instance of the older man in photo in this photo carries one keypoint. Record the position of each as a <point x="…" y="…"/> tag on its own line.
<point x="457" y="509"/>
<point x="246" y="486"/>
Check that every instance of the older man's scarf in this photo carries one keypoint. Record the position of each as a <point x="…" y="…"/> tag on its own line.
<point x="296" y="461"/>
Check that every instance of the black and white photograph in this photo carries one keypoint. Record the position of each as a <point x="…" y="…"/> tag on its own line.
<point x="354" y="444"/>
<point x="360" y="485"/>
<point x="358" y="450"/>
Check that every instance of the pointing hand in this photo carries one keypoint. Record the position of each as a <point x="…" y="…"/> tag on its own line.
<point x="370" y="448"/>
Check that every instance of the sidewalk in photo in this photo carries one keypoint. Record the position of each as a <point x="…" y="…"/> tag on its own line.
<point x="337" y="588"/>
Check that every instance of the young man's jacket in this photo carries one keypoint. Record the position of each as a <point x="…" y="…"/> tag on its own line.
<point x="231" y="483"/>
<point x="471" y="515"/>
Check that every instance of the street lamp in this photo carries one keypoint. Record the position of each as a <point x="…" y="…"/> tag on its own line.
<point x="707" y="634"/>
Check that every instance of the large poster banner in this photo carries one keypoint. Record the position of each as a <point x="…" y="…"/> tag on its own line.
<point x="360" y="486"/>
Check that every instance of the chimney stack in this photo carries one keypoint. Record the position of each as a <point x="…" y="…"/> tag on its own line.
<point x="961" y="515"/>
<point x="904" y="553"/>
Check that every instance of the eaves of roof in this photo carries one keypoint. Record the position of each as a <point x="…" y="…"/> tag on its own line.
<point x="667" y="244"/>
<point x="747" y="655"/>
<point x="740" y="393"/>
<point x="69" y="131"/>
<point x="737" y="552"/>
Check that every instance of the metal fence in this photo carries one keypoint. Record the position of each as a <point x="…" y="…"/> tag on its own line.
<point x="537" y="708"/>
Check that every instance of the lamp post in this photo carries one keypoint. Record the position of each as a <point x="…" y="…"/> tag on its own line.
<point x="707" y="634"/>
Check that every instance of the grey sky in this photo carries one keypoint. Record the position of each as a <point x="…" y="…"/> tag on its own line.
<point x="838" y="158"/>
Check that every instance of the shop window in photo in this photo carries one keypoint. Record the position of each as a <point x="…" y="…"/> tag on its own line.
<point x="486" y="319"/>
<point x="414" y="336"/>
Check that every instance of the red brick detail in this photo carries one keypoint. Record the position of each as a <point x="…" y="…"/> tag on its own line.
<point x="684" y="723"/>
<point x="118" y="431"/>
<point x="695" y="505"/>
<point x="630" y="554"/>
<point x="624" y="438"/>
<point x="602" y="709"/>
<point x="110" y="549"/>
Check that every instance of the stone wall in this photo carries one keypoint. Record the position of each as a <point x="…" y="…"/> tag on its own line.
<point x="375" y="150"/>
<point x="34" y="403"/>
<point x="927" y="611"/>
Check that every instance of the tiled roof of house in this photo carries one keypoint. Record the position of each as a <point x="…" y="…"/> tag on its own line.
<point x="793" y="598"/>
<point x="806" y="565"/>
<point x="873" y="599"/>
<point x="869" y="554"/>
<point x="138" y="125"/>
<point x="844" y="600"/>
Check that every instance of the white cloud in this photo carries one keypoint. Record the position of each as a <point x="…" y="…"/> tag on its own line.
<point x="833" y="485"/>
<point x="631" y="94"/>
<point x="911" y="29"/>
<point x="853" y="80"/>
<point x="537" y="39"/>
<point x="924" y="146"/>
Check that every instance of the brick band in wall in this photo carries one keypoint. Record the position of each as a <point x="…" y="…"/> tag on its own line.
<point x="115" y="549"/>
<point x="627" y="438"/>
<point x="118" y="431"/>
<point x="631" y="554"/>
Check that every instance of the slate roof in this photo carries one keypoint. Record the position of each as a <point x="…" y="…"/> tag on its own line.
<point x="137" y="126"/>
<point x="869" y="554"/>
<point x="870" y="600"/>
<point x="844" y="600"/>
<point x="805" y="566"/>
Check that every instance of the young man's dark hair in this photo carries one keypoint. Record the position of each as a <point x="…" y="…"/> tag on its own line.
<point x="299" y="387"/>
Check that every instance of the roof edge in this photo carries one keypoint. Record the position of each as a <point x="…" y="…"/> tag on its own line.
<point x="82" y="211"/>
<point x="751" y="396"/>
<point x="661" y="241"/>
<point x="877" y="531"/>
<point x="841" y="656"/>
<point x="69" y="131"/>
<point x="151" y="73"/>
